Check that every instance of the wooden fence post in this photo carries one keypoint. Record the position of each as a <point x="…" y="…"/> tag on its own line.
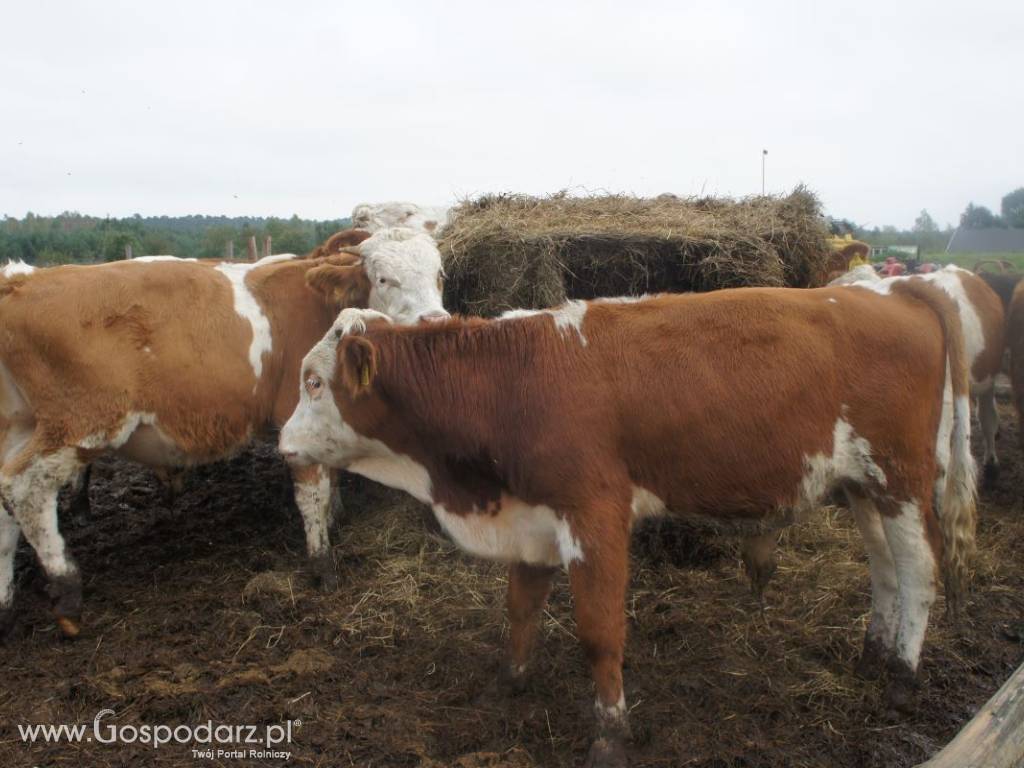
<point x="994" y="738"/>
<point x="252" y="247"/>
<point x="231" y="250"/>
<point x="128" y="251"/>
<point x="266" y="246"/>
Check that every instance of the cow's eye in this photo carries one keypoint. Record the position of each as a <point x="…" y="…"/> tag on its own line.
<point x="314" y="384"/>
<point x="383" y="281"/>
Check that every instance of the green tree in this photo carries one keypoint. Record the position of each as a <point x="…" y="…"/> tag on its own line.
<point x="978" y="217"/>
<point x="1012" y="208"/>
<point x="924" y="224"/>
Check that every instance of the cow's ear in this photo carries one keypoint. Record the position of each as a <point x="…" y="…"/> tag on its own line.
<point x="357" y="363"/>
<point x="344" y="286"/>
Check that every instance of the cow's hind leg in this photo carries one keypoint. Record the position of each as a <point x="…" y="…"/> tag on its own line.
<point x="31" y="496"/>
<point x="313" y="498"/>
<point x="988" y="417"/>
<point x="758" y="553"/>
<point x="528" y="589"/>
<point x="598" y="576"/>
<point x="880" y="637"/>
<point x="9" y="535"/>
<point x="915" y="561"/>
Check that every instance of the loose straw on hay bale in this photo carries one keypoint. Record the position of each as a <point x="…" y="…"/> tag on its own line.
<point x="508" y="251"/>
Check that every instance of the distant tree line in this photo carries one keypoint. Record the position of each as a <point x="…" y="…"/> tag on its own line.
<point x="75" y="238"/>
<point x="927" y="234"/>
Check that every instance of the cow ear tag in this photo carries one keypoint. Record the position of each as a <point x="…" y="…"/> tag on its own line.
<point x="364" y="376"/>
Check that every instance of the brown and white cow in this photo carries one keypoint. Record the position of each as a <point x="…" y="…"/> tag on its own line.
<point x="172" y="363"/>
<point x="983" y="320"/>
<point x="539" y="439"/>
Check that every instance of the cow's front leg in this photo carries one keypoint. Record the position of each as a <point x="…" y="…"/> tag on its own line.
<point x="528" y="589"/>
<point x="29" y="485"/>
<point x="598" y="576"/>
<point x="9" y="535"/>
<point x="313" y="498"/>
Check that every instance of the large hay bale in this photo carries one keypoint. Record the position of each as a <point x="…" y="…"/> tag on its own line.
<point x="509" y="251"/>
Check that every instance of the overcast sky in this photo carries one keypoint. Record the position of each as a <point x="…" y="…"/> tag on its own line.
<point x="883" y="108"/>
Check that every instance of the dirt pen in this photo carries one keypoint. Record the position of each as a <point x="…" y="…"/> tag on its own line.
<point x="203" y="611"/>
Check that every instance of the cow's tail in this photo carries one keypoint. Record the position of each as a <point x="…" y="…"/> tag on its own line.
<point x="956" y="499"/>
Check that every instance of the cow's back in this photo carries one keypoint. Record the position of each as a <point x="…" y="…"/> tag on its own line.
<point x="100" y="342"/>
<point x="723" y="398"/>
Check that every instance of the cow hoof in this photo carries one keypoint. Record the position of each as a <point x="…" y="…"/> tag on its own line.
<point x="69" y="627"/>
<point x="512" y="680"/>
<point x="66" y="594"/>
<point x="902" y="690"/>
<point x="326" y="576"/>
<point x="760" y="572"/>
<point x="606" y="753"/>
<point x="990" y="475"/>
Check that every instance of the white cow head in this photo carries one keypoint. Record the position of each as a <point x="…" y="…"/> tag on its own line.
<point x="404" y="270"/>
<point x="397" y="214"/>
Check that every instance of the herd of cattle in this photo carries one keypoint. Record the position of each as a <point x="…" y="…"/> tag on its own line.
<point x="538" y="438"/>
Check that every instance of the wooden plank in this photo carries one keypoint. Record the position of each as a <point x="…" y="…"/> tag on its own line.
<point x="994" y="738"/>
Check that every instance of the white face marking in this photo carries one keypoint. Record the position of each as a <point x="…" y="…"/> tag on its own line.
<point x="404" y="269"/>
<point x="850" y="460"/>
<point x="18" y="267"/>
<point x="568" y="317"/>
<point x="249" y="309"/>
<point x="150" y="259"/>
<point x="429" y="219"/>
<point x="915" y="574"/>
<point x="518" y="532"/>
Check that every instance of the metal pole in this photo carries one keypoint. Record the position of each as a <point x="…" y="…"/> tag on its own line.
<point x="764" y="155"/>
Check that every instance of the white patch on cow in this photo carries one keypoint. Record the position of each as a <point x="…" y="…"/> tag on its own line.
<point x="646" y="504"/>
<point x="915" y="573"/>
<point x="18" y="267"/>
<point x="313" y="500"/>
<point x="120" y="436"/>
<point x="151" y="259"/>
<point x="32" y="497"/>
<point x="611" y="714"/>
<point x="276" y="258"/>
<point x="429" y="219"/>
<point x="138" y="438"/>
<point x="517" y="532"/>
<point x="859" y="274"/>
<point x="620" y="299"/>
<point x="404" y="269"/>
<point x="884" y="620"/>
<point x="850" y="460"/>
<point x="249" y="309"/>
<point x="348" y="321"/>
<point x="568" y="317"/>
<point x="831" y="301"/>
<point x="943" y="441"/>
<point x="949" y="281"/>
<point x="9" y="534"/>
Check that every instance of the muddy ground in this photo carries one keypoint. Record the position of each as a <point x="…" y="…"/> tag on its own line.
<point x="202" y="611"/>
